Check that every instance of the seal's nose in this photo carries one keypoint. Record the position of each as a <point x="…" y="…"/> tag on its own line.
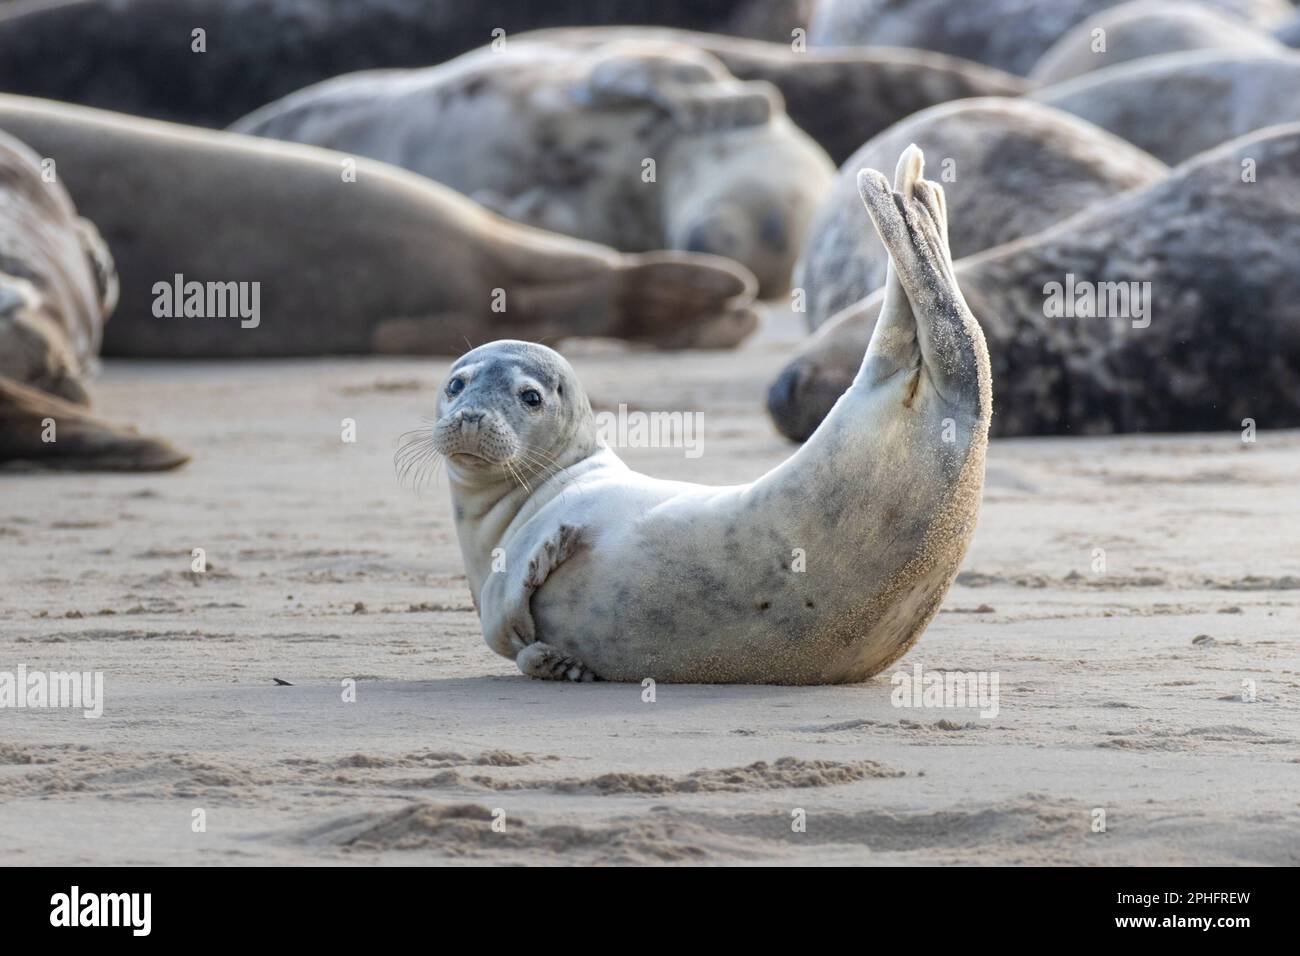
<point x="471" y="418"/>
<point x="803" y="395"/>
<point x="782" y="402"/>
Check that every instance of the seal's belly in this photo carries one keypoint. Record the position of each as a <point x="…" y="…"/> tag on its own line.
<point x="748" y="619"/>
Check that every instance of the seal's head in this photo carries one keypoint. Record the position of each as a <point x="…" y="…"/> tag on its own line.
<point x="749" y="195"/>
<point x="510" y="410"/>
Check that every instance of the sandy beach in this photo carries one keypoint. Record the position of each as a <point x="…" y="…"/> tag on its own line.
<point x="1120" y="689"/>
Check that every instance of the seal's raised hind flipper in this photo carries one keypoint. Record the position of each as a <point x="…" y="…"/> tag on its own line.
<point x="40" y="428"/>
<point x="922" y="298"/>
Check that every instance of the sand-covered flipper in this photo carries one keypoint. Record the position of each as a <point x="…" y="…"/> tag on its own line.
<point x="912" y="220"/>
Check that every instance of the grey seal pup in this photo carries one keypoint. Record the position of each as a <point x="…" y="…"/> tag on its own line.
<point x="1211" y="339"/>
<point x="638" y="145"/>
<point x="345" y="255"/>
<point x="1010" y="168"/>
<point x="1009" y="34"/>
<point x="1145" y="28"/>
<point x="1180" y="104"/>
<point x="601" y="572"/>
<point x="138" y="56"/>
<point x="840" y="97"/>
<point x="57" y="288"/>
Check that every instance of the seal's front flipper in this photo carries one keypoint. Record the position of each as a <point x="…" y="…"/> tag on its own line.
<point x="546" y="663"/>
<point x="45" y="430"/>
<point x="913" y="224"/>
<point x="507" y="617"/>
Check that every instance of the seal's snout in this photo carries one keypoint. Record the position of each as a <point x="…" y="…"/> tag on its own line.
<point x="783" y="403"/>
<point x="475" y="436"/>
<point x="801" y="397"/>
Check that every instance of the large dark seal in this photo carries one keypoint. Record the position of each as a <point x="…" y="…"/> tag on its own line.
<point x="841" y="97"/>
<point x="348" y="256"/>
<point x="57" y="287"/>
<point x="638" y="145"/>
<point x="1214" y="339"/>
<point x="1145" y="28"/>
<point x="138" y="56"/>
<point x="1010" y="168"/>
<point x="1009" y="34"/>
<point x="581" y="568"/>
<point x="1181" y="104"/>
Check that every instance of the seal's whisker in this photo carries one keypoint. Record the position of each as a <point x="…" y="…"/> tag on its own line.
<point x="416" y="459"/>
<point x="514" y="473"/>
<point x="540" y="463"/>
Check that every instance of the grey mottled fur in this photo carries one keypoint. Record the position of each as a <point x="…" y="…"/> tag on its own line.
<point x="1224" y="337"/>
<point x="57" y="288"/>
<point x="57" y="283"/>
<point x="134" y="56"/>
<point x="1008" y="34"/>
<point x="559" y="138"/>
<point x="840" y="97"/>
<point x="1009" y="168"/>
<point x="1145" y="28"/>
<point x="1181" y="104"/>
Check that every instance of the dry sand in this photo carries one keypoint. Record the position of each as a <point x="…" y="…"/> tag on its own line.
<point x="322" y="568"/>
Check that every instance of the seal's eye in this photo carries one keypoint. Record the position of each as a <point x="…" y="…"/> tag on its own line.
<point x="531" y="397"/>
<point x="455" y="386"/>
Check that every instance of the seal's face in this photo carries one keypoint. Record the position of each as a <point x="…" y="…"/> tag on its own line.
<point x="509" y="410"/>
<point x="751" y="198"/>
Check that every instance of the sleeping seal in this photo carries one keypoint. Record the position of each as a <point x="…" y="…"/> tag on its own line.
<point x="1145" y="28"/>
<point x="1180" y="104"/>
<point x="611" y="574"/>
<point x="840" y="97"/>
<point x="138" y="56"/>
<point x="1009" y="34"/>
<point x="636" y="145"/>
<point x="344" y="255"/>
<point x="57" y="287"/>
<point x="1183" y="309"/>
<point x="1012" y="167"/>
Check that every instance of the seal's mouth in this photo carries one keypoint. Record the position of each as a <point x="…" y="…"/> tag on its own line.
<point x="470" y="459"/>
<point x="475" y="442"/>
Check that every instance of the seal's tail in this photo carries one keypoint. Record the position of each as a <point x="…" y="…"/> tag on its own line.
<point x="684" y="300"/>
<point x="38" y="427"/>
